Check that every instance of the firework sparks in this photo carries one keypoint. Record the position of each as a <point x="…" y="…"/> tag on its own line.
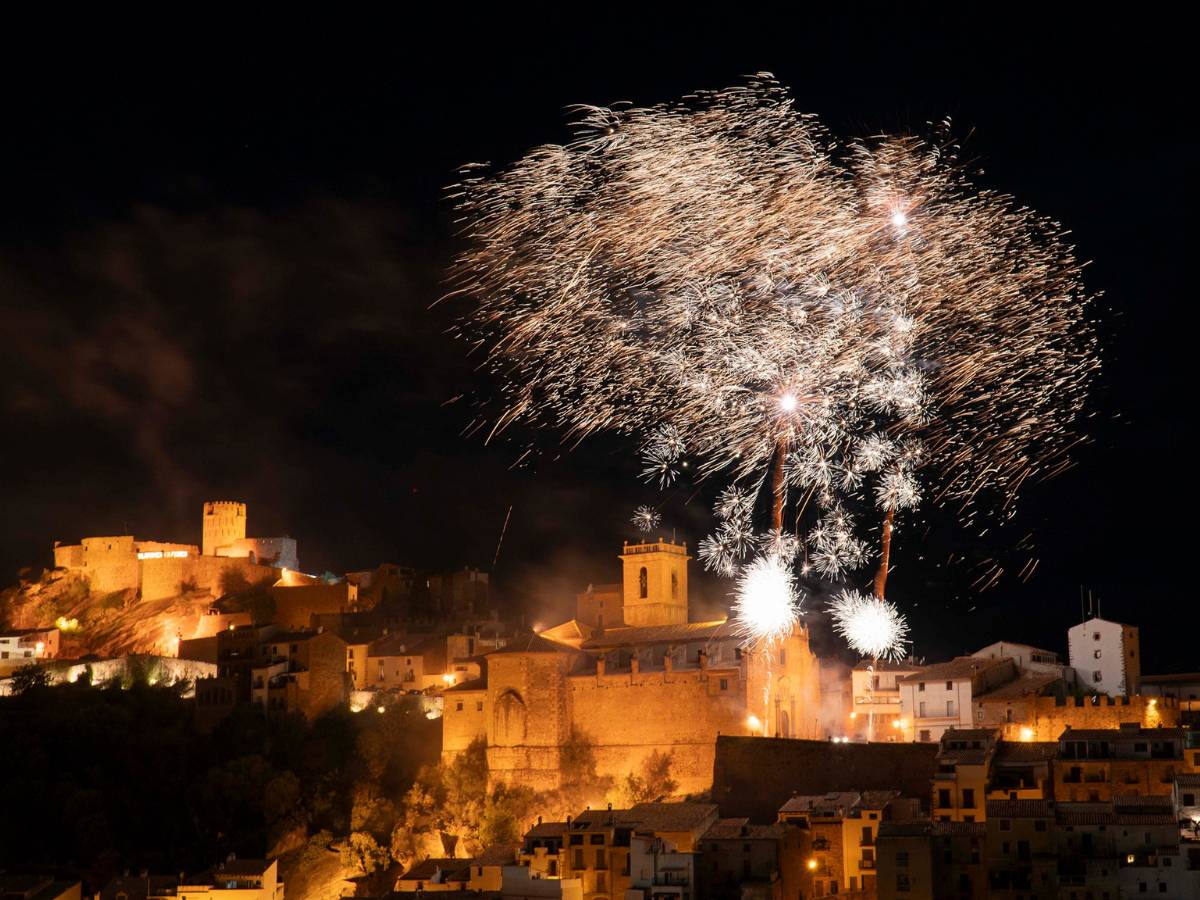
<point x="646" y="519"/>
<point x="871" y="626"/>
<point x="718" y="279"/>
<point x="766" y="607"/>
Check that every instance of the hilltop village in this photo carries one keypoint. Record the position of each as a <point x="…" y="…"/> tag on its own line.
<point x="630" y="752"/>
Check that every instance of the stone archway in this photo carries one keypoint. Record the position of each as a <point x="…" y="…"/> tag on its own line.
<point x="509" y="719"/>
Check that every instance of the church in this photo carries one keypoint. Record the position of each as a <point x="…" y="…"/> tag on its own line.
<point x="631" y="674"/>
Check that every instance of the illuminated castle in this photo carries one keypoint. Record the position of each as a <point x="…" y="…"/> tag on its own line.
<point x="157" y="569"/>
<point x="632" y="675"/>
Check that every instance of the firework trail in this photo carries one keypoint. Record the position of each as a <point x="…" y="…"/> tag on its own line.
<point x="855" y="327"/>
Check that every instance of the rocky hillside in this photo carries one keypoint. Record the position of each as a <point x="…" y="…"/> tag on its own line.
<point x="103" y="624"/>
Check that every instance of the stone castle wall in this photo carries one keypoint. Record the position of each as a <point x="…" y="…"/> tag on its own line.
<point x="166" y="577"/>
<point x="629" y="715"/>
<point x="1048" y="717"/>
<point x="527" y="717"/>
<point x="110" y="563"/>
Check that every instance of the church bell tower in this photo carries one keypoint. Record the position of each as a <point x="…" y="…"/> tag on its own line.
<point x="654" y="583"/>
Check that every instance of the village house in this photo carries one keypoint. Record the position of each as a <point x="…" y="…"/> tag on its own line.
<point x="941" y="696"/>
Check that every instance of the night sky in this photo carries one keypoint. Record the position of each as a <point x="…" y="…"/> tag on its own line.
<point x="216" y="268"/>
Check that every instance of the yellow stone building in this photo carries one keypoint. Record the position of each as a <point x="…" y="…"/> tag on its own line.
<point x="642" y="678"/>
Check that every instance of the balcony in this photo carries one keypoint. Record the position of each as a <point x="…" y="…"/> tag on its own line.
<point x="866" y="864"/>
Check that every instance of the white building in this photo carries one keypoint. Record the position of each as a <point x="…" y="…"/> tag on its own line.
<point x="1106" y="656"/>
<point x="939" y="696"/>
<point x="875" y="691"/>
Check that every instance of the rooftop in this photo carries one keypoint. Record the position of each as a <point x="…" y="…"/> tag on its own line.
<point x="975" y="829"/>
<point x="659" y="634"/>
<point x="33" y="887"/>
<point x="905" y="829"/>
<point x="497" y="855"/>
<point x="531" y="643"/>
<point x="666" y="817"/>
<point x="439" y="870"/>
<point x="1020" y="809"/>
<point x="1107" y="814"/>
<point x="1022" y="686"/>
<point x="1120" y="734"/>
<point x="742" y="830"/>
<point x="959" y="667"/>
<point x="831" y="804"/>
<point x="547" y="830"/>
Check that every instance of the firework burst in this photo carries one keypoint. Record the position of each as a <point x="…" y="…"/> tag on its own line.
<point x="646" y="519"/>
<point x="766" y="607"/>
<point x="871" y="625"/>
<point x="857" y="326"/>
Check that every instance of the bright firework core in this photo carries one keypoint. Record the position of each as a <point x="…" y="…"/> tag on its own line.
<point x="788" y="402"/>
<point x="765" y="601"/>
<point x="899" y="218"/>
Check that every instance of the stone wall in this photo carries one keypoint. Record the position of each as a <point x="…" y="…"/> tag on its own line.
<point x="1045" y="718"/>
<point x="628" y="715"/>
<point x="110" y="563"/>
<point x="461" y="726"/>
<point x="167" y="577"/>
<point x="296" y="605"/>
<point x="528" y="719"/>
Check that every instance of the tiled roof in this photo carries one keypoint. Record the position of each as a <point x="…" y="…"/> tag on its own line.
<point x="439" y="870"/>
<point x="834" y="803"/>
<point x="1188" y="779"/>
<point x="1025" y="684"/>
<point x="1142" y="803"/>
<point x="971" y="757"/>
<point x="660" y="817"/>
<point x="497" y="855"/>
<point x="904" y="829"/>
<point x="600" y="819"/>
<point x="878" y="799"/>
<point x="959" y="667"/>
<point x="531" y="643"/>
<point x="975" y="829"/>
<point x="1020" y="809"/>
<point x="547" y="829"/>
<point x="659" y="634"/>
<point x="742" y="830"/>
<point x="1105" y="814"/>
<point x="1117" y="734"/>
<point x="475" y="684"/>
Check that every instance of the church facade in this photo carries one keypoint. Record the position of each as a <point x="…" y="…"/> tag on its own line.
<point x="632" y="675"/>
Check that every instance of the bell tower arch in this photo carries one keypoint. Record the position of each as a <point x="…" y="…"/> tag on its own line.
<point x="654" y="583"/>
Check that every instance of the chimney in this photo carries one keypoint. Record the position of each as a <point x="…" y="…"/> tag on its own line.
<point x="539" y="821"/>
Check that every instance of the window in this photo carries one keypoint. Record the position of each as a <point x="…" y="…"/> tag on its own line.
<point x="902" y="884"/>
<point x="902" y="859"/>
<point x="674" y="585"/>
<point x="925" y="738"/>
<point x="1097" y="676"/>
<point x="601" y="882"/>
<point x="921" y="709"/>
<point x="782" y="657"/>
<point x="458" y="707"/>
<point x="1096" y="654"/>
<point x="1189" y="799"/>
<point x="1005" y="825"/>
<point x="949" y="685"/>
<point x="601" y="862"/>
<point x="478" y="706"/>
<point x="642" y="583"/>
<point x="1008" y="715"/>
<point x="950" y="708"/>
<point x="969" y="797"/>
<point x="866" y="835"/>
<point x="1095" y="635"/>
<point x="578" y="858"/>
<point x="921" y="686"/>
<point x="724" y="684"/>
<point x="944" y="798"/>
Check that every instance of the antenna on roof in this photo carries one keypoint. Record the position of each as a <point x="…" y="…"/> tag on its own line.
<point x="1082" y="612"/>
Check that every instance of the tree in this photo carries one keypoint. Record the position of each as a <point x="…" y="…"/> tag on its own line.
<point x="362" y="852"/>
<point x="505" y="814"/>
<point x="652" y="780"/>
<point x="28" y="677"/>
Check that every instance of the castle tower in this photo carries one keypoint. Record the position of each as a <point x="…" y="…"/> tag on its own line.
<point x="224" y="523"/>
<point x="654" y="587"/>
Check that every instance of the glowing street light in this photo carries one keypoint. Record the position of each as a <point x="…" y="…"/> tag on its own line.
<point x="754" y="723"/>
